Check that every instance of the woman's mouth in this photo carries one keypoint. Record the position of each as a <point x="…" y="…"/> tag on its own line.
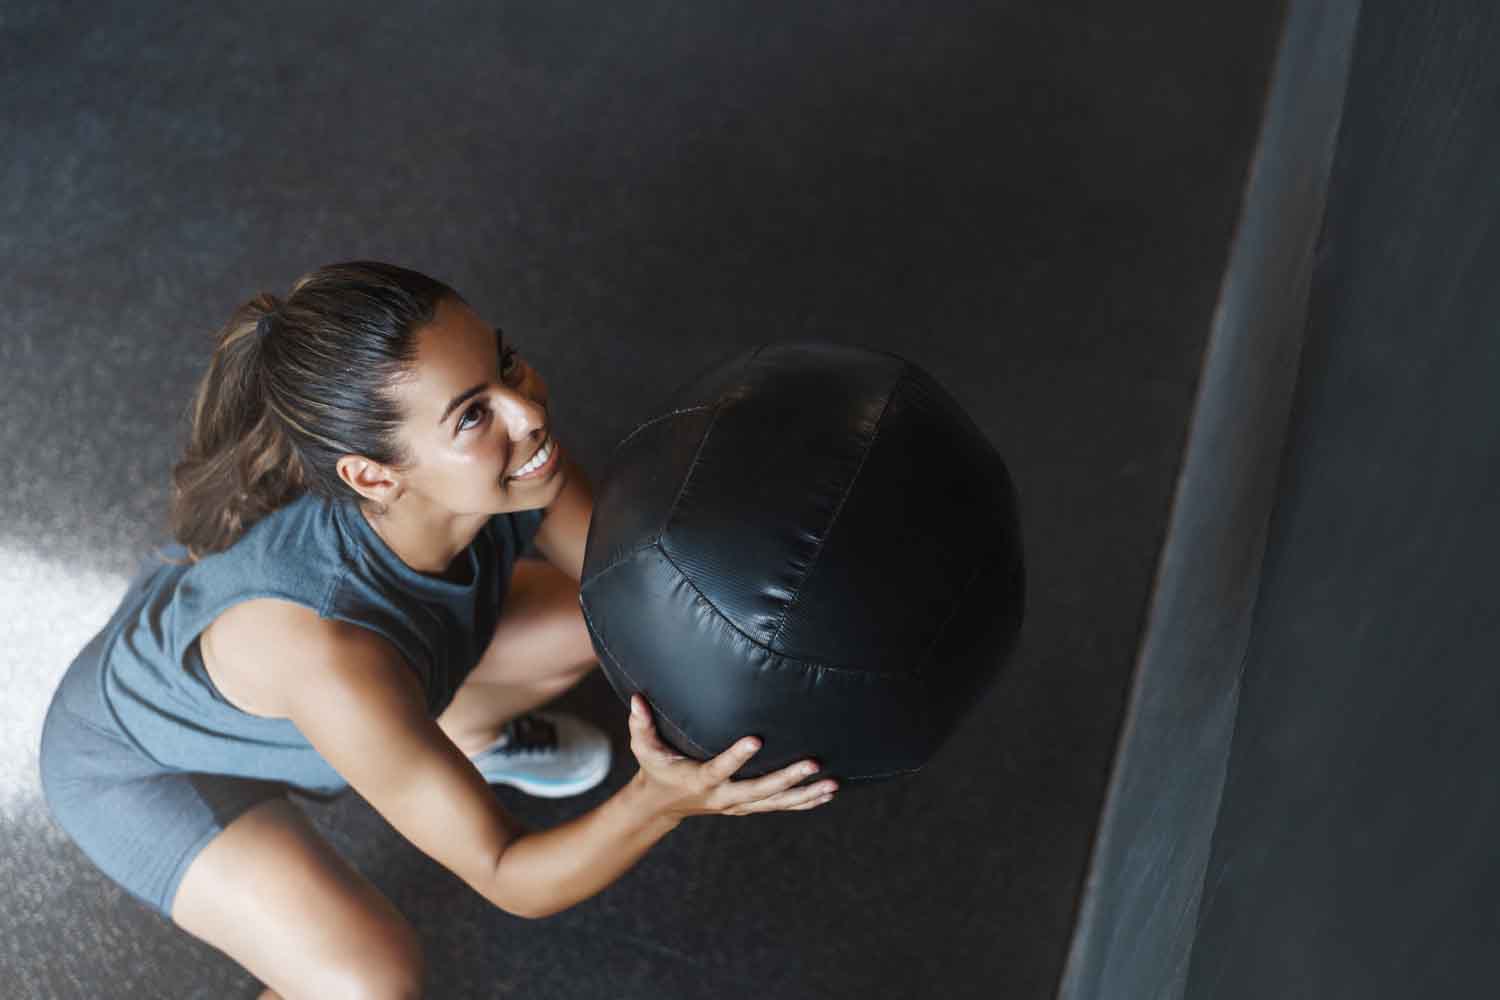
<point x="540" y="466"/>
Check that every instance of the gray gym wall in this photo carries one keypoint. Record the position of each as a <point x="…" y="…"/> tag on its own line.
<point x="1303" y="804"/>
<point x="1137" y="920"/>
<point x="1355" y="855"/>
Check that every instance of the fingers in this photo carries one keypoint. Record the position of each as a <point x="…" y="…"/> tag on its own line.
<point x="736" y="798"/>
<point x="821" y="800"/>
<point x="774" y="791"/>
<point x="719" y="769"/>
<point x="776" y="781"/>
<point x="791" y="800"/>
<point x="724" y="766"/>
<point x="643" y="731"/>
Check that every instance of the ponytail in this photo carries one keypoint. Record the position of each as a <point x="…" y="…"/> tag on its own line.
<point x="292" y="387"/>
<point x="239" y="464"/>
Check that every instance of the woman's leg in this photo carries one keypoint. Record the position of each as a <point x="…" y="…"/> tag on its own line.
<point x="540" y="649"/>
<point x="273" y="895"/>
<point x="229" y="859"/>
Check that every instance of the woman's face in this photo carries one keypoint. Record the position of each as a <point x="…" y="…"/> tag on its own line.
<point x="476" y="412"/>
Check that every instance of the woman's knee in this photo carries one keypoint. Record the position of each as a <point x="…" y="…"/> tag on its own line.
<point x="389" y="966"/>
<point x="392" y="970"/>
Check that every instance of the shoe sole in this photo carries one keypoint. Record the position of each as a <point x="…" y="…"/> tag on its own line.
<point x="560" y="788"/>
<point x="565" y="784"/>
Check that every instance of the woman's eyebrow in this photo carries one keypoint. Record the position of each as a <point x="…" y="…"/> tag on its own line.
<point x="457" y="401"/>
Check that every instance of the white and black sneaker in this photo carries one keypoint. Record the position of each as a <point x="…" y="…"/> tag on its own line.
<point x="547" y="754"/>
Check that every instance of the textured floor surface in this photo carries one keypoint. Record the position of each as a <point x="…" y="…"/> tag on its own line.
<point x="1032" y="201"/>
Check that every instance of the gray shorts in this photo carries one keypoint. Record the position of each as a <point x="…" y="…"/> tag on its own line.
<point x="139" y="823"/>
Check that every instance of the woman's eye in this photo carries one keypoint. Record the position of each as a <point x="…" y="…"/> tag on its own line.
<point x="507" y="370"/>
<point x="463" y="426"/>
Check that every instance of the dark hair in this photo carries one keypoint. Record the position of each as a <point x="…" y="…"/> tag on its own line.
<point x="283" y="400"/>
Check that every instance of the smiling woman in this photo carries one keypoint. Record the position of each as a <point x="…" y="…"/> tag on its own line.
<point x="359" y="482"/>
<point x="356" y="431"/>
<point x="478" y="414"/>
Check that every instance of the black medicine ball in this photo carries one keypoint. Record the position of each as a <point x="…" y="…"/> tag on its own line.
<point x="813" y="544"/>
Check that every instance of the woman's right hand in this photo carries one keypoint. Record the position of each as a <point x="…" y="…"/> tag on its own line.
<point x="682" y="787"/>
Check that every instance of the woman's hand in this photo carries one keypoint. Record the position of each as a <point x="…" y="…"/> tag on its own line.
<point x="683" y="787"/>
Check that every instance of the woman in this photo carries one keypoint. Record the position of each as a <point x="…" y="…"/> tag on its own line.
<point x="344" y="607"/>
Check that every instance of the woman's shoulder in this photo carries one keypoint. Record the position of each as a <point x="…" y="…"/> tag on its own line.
<point x="296" y="548"/>
<point x="261" y="650"/>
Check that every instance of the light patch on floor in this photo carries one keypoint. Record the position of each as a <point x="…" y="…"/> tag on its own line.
<point x="52" y="610"/>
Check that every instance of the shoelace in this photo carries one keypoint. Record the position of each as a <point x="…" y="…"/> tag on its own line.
<point x="529" y="734"/>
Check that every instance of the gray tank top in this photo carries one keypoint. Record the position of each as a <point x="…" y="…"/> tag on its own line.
<point x="318" y="553"/>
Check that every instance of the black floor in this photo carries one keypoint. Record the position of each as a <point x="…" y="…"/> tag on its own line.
<point x="1034" y="202"/>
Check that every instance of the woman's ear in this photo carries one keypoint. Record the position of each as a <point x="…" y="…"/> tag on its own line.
<point x="370" y="480"/>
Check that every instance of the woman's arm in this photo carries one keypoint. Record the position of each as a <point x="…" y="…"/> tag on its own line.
<point x="361" y="707"/>
<point x="554" y="869"/>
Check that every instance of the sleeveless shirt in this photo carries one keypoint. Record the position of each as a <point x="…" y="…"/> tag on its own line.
<point x="324" y="555"/>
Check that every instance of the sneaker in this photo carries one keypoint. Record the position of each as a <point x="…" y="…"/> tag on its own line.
<point x="547" y="754"/>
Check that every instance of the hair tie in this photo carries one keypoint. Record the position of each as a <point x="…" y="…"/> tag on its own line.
<point x="262" y="326"/>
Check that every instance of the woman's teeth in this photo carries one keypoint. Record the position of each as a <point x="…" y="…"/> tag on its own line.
<point x="536" y="462"/>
